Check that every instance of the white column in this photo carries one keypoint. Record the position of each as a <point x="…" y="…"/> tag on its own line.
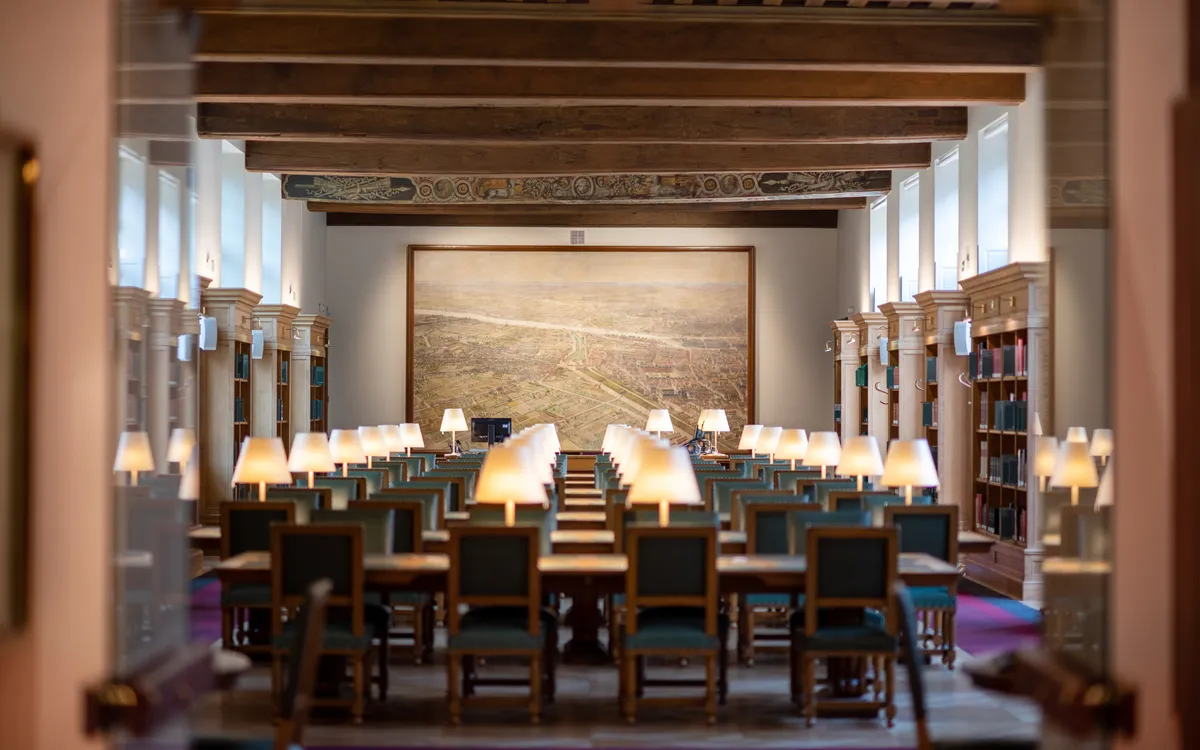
<point x="291" y="266"/>
<point x="187" y="228"/>
<point x="925" y="257"/>
<point x="208" y="209"/>
<point x="150" y="280"/>
<point x="893" y="239"/>
<point x="1027" y="193"/>
<point x="968" y="205"/>
<point x="253" y="230"/>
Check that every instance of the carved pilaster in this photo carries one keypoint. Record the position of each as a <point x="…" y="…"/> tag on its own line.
<point x="845" y="348"/>
<point x="871" y="327"/>
<point x="953" y="435"/>
<point x="309" y="352"/>
<point x="908" y="344"/>
<point x="272" y="377"/>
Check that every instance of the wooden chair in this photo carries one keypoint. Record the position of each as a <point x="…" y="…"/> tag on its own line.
<point x="246" y="527"/>
<point x="933" y="530"/>
<point x="905" y="613"/>
<point x="671" y="594"/>
<point x="767" y="533"/>
<point x="850" y="573"/>
<point x="739" y="498"/>
<point x="855" y="500"/>
<point x="344" y="490"/>
<point x="435" y="494"/>
<point x="376" y="521"/>
<point x="464" y="480"/>
<point x="788" y="479"/>
<point x="377" y="478"/>
<point x="302" y="555"/>
<point x="308" y="498"/>
<point x="396" y="468"/>
<point x="720" y="492"/>
<point x="494" y="573"/>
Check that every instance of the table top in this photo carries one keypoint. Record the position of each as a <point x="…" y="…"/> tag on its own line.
<point x="205" y="532"/>
<point x="574" y="536"/>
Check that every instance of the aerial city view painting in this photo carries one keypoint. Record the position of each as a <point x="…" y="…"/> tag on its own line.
<point x="582" y="338"/>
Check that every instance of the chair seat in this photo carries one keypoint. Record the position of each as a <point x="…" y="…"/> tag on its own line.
<point x="868" y="636"/>
<point x="407" y="598"/>
<point x="773" y="600"/>
<point x="675" y="628"/>
<point x="377" y="620"/>
<point x="499" y="629"/>
<point x="933" y="597"/>
<point x="246" y="595"/>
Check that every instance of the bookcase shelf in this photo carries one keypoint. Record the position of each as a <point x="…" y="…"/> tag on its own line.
<point x="273" y="372"/>
<point x="310" y="374"/>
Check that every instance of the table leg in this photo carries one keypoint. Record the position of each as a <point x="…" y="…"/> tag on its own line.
<point x="585" y="621"/>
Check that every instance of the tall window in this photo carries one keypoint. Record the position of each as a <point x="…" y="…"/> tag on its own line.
<point x="233" y="216"/>
<point x="131" y="217"/>
<point x="170" y="194"/>
<point x="945" y="221"/>
<point x="993" y="195"/>
<point x="910" y="236"/>
<point x="272" y="241"/>
<point x="878" y="254"/>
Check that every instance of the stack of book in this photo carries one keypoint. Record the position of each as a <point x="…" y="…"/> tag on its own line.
<point x="929" y="413"/>
<point x="895" y="408"/>
<point x="1010" y="415"/>
<point x="931" y="369"/>
<point x="983" y="411"/>
<point x="983" y="460"/>
<point x="239" y="412"/>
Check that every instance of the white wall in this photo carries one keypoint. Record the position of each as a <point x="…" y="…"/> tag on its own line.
<point x="854" y="262"/>
<point x="796" y="293"/>
<point x="1080" y="335"/>
<point x="312" y="264"/>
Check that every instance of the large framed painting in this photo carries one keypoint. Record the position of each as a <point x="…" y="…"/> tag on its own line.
<point x="580" y="336"/>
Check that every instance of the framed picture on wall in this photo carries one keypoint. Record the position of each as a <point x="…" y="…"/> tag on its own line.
<point x="18" y="175"/>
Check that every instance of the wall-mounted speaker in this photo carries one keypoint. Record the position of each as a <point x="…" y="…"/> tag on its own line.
<point x="186" y="342"/>
<point x="208" y="334"/>
<point x="256" y="344"/>
<point x="883" y="351"/>
<point x="962" y="338"/>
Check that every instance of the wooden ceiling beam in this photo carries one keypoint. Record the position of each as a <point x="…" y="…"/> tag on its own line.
<point x="538" y="160"/>
<point x="584" y="210"/>
<point x="489" y="125"/>
<point x="164" y="122"/>
<point x="822" y="219"/>
<point x="321" y="83"/>
<point x="660" y="40"/>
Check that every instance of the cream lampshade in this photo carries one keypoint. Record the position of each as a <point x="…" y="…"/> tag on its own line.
<point x="703" y="417"/>
<point x="715" y="423"/>
<point x="768" y="439"/>
<point x="551" y="438"/>
<point x="824" y="449"/>
<point x="179" y="447"/>
<point x="262" y="462"/>
<point x="134" y="455"/>
<point x="310" y="453"/>
<point x="860" y="458"/>
<point x="508" y="477"/>
<point x="659" y="421"/>
<point x="189" y="484"/>
<point x="453" y="421"/>
<point x="610" y="435"/>
<point x="633" y="464"/>
<point x="1102" y="444"/>
<point x="373" y="443"/>
<point x="410" y="437"/>
<point x="1074" y="468"/>
<point x="749" y="439"/>
<point x="1045" y="456"/>
<point x="391" y="438"/>
<point x="1037" y="424"/>
<point x="346" y="448"/>
<point x="909" y="464"/>
<point x="665" y="477"/>
<point x="793" y="445"/>
<point x="1077" y="435"/>
<point x="1104" y="495"/>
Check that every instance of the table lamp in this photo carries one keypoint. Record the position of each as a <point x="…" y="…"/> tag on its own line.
<point x="410" y="437"/>
<point x="189" y="483"/>
<point x="453" y="421"/>
<point x="1074" y="468"/>
<point x="793" y="445"/>
<point x="262" y="462"/>
<point x="179" y="447"/>
<point x="610" y="434"/>
<point x="1037" y="424"/>
<point x="391" y="438"/>
<point x="1104" y="495"/>
<point x="860" y="458"/>
<point x="749" y="439"/>
<point x="659" y="421"/>
<point x="134" y="455"/>
<point x="768" y="439"/>
<point x="310" y="453"/>
<point x="373" y="443"/>
<point x="1045" y="456"/>
<point x="508" y="477"/>
<point x="665" y="477"/>
<point x="1102" y="445"/>
<point x="346" y="448"/>
<point x="637" y="455"/>
<point x="824" y="449"/>
<point x="715" y="423"/>
<point x="1077" y="435"/>
<point x="909" y="464"/>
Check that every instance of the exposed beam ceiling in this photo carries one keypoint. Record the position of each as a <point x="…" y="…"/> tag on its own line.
<point x="586" y="159"/>
<point x="784" y="41"/>
<point x="165" y="122"/>
<point x="432" y="85"/>
<point x="582" y="211"/>
<point x="823" y="219"/>
<point x="650" y="124"/>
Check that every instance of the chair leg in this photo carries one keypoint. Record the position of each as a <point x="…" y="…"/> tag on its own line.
<point x="751" y="622"/>
<point x="640" y="674"/>
<point x="418" y="619"/>
<point x="950" y="652"/>
<point x="877" y="676"/>
<point x="890" y="670"/>
<point x="723" y="669"/>
<point x="549" y="665"/>
<point x="384" y="672"/>
<point x="710" y="688"/>
<point x="630" y="669"/>
<point x="810" y="689"/>
<point x="453" y="695"/>
<point x="795" y="683"/>
<point x="535" y="688"/>
<point x="429" y="630"/>
<point x="276" y="682"/>
<point x="360" y="689"/>
<point x="226" y="628"/>
<point x="468" y="675"/>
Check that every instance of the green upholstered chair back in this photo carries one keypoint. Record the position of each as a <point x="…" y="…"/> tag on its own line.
<point x="376" y="521"/>
<point x="742" y="497"/>
<point x="303" y="656"/>
<point x="722" y="490"/>
<point x="748" y="465"/>
<point x="343" y="490"/>
<point x="413" y="466"/>
<point x="246" y="527"/>
<point x="801" y="521"/>
<point x="928" y="529"/>
<point x="545" y="521"/>
<point x="430" y="499"/>
<point x="377" y="479"/>
<point x="767" y="526"/>
<point x="822" y="488"/>
<point x="307" y="499"/>
<point x="449" y="490"/>
<point x="161" y="486"/>
<point x="464" y="478"/>
<point x="647" y="516"/>
<point x="674" y="566"/>
<point x="786" y="479"/>
<point x="560" y="465"/>
<point x="493" y="566"/>
<point x="407" y="522"/>
<point x="850" y="568"/>
<point x="768" y="469"/>
<point x="395" y="468"/>
<point x="303" y="555"/>
<point x="429" y="460"/>
<point x="706" y="478"/>
<point x="840" y="503"/>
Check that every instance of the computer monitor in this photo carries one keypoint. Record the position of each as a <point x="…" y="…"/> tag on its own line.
<point x="490" y="430"/>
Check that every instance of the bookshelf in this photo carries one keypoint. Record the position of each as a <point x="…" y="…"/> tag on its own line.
<point x="226" y="385"/>
<point x="906" y="369"/>
<point x="872" y="326"/>
<point x="1008" y="369"/>
<point x="947" y="400"/>
<point x="130" y="310"/>
<point x="167" y="393"/>
<point x="272" y="373"/>
<point x="848" y="408"/>
<point x="310" y="374"/>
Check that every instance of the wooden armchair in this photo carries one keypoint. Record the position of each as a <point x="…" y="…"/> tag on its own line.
<point x="246" y="527"/>
<point x="933" y="530"/>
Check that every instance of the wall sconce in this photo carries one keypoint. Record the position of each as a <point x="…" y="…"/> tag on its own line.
<point x="916" y="326"/>
<point x="828" y="346"/>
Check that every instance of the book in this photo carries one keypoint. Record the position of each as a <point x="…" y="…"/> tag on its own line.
<point x="931" y="369"/>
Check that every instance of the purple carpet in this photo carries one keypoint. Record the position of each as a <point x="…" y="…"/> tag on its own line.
<point x="206" y="610"/>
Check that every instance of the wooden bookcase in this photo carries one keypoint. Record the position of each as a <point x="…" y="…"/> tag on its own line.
<point x="872" y="326"/>
<point x="848" y="408"/>
<point x="272" y="373"/>
<point x="906" y="365"/>
<point x="1009" y="373"/>
<point x="131" y="311"/>
<point x="309" y="374"/>
<point x="227" y="401"/>
<point x="947" y="400"/>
